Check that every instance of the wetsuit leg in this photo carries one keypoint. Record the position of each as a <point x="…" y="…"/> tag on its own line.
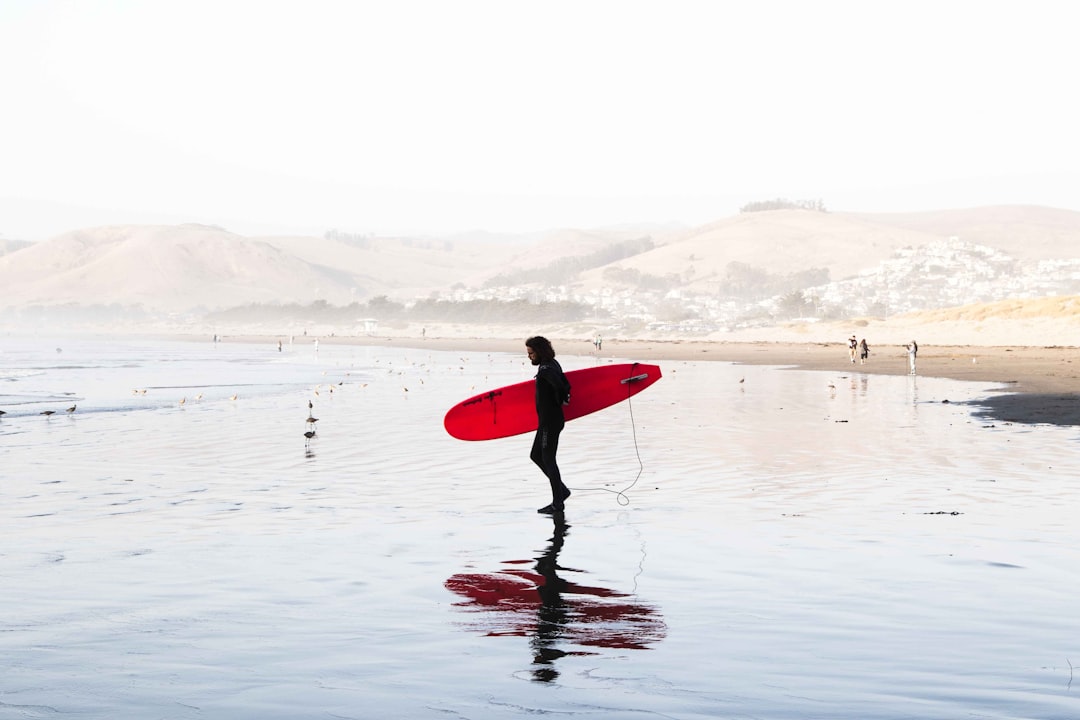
<point x="544" y="449"/>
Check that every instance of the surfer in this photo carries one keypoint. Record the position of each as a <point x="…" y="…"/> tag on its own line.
<point x="552" y="392"/>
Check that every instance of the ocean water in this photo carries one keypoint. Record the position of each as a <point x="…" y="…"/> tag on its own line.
<point x="742" y="542"/>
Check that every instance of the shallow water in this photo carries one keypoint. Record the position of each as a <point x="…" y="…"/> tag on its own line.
<point x="790" y="544"/>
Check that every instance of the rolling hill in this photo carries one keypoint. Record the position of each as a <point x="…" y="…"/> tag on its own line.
<point x="196" y="268"/>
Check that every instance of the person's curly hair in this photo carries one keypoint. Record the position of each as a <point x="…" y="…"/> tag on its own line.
<point x="541" y="346"/>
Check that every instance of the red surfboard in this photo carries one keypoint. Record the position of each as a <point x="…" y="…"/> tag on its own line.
<point x="511" y="410"/>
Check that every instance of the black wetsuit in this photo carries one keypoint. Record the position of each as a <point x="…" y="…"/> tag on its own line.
<point x="552" y="392"/>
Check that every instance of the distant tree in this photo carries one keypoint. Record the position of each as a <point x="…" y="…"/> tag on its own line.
<point x="795" y="304"/>
<point x="355" y="239"/>
<point x="383" y="307"/>
<point x="783" y="204"/>
<point x="742" y="280"/>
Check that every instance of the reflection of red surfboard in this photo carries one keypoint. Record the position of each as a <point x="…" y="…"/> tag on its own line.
<point x="512" y="603"/>
<point x="511" y="410"/>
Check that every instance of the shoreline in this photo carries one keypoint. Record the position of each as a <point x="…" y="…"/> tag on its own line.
<point x="1037" y="384"/>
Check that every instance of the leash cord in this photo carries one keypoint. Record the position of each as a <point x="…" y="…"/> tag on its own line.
<point x="621" y="496"/>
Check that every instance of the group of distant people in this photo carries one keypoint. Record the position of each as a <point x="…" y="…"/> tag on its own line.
<point x="860" y="349"/>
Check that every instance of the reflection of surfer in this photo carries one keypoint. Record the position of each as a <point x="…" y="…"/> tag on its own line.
<point x="552" y="615"/>
<point x="552" y="392"/>
<point x="560" y="617"/>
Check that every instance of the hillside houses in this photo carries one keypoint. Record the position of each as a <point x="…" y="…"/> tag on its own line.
<point x="943" y="273"/>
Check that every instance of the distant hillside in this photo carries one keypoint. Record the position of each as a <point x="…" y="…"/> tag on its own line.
<point x="164" y="269"/>
<point x="1026" y="232"/>
<point x="779" y="241"/>
<point x="789" y="242"/>
<point x="197" y="268"/>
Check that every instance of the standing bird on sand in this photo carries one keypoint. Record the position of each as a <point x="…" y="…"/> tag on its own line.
<point x="47" y="413"/>
<point x="71" y="409"/>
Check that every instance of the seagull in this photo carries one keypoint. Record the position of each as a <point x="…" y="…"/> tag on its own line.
<point x="183" y="400"/>
<point x="312" y="420"/>
<point x="233" y="397"/>
<point x="309" y="434"/>
<point x="47" y="413"/>
<point x="71" y="409"/>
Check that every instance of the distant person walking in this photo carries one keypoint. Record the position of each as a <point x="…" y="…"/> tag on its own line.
<point x="864" y="351"/>
<point x="853" y="346"/>
<point x="912" y="352"/>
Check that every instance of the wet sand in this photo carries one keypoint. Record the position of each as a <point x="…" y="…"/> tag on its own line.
<point x="1038" y="384"/>
<point x="742" y="541"/>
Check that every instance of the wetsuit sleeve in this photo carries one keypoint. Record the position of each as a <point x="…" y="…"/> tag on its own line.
<point x="554" y="377"/>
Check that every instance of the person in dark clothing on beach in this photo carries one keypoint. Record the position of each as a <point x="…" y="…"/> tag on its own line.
<point x="552" y="392"/>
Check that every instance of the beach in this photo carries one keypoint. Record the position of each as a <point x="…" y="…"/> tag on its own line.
<point x="743" y="540"/>
<point x="1033" y="384"/>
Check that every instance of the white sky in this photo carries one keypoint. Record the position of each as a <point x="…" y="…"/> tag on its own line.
<point x="438" y="116"/>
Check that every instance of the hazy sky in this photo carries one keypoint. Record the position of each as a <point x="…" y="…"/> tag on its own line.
<point x="440" y="116"/>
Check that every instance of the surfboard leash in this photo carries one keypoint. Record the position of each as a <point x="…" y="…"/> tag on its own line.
<point x="620" y="495"/>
